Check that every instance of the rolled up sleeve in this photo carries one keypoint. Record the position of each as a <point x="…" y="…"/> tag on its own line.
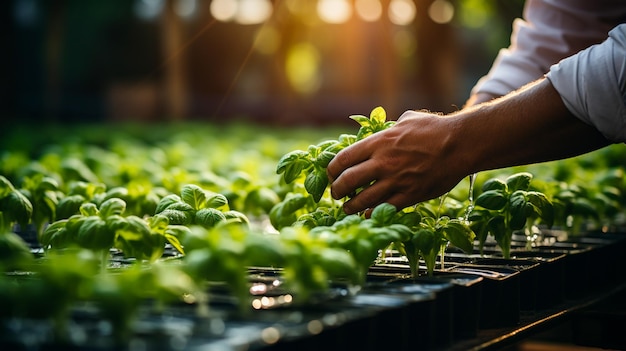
<point x="592" y="84"/>
<point x="549" y="31"/>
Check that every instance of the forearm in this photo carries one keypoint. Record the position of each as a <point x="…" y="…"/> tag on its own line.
<point x="529" y="126"/>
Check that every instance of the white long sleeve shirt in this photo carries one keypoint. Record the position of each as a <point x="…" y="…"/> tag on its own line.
<point x="592" y="84"/>
<point x="552" y="30"/>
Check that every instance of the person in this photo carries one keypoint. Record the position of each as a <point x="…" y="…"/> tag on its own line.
<point x="544" y="99"/>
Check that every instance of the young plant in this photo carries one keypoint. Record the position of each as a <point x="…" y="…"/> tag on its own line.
<point x="364" y="238"/>
<point x="78" y="193"/>
<point x="572" y="205"/>
<point x="196" y="206"/>
<point x="312" y="263"/>
<point x="430" y="235"/>
<point x="313" y="162"/>
<point x="140" y="197"/>
<point x="100" y="229"/>
<point x="43" y="192"/>
<point x="15" y="208"/>
<point x="287" y="212"/>
<point x="53" y="286"/>
<point x="119" y="296"/>
<point x="216" y="254"/>
<point x="506" y="206"/>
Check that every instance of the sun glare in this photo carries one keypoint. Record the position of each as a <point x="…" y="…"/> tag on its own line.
<point x="253" y="11"/>
<point x="223" y="10"/>
<point x="302" y="67"/>
<point x="334" y="11"/>
<point x="369" y="10"/>
<point x="441" y="11"/>
<point x="401" y="12"/>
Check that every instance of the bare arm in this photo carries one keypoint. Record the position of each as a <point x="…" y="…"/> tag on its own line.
<point x="425" y="155"/>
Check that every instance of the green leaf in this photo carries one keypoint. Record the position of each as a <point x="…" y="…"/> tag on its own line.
<point x="110" y="207"/>
<point x="316" y="183"/>
<point x="383" y="214"/>
<point x="166" y="202"/>
<point x="519" y="181"/>
<point x="479" y="219"/>
<point x="135" y="229"/>
<point x="260" y="201"/>
<point x="492" y="200"/>
<point x="497" y="228"/>
<point x="400" y="232"/>
<point x="116" y="222"/>
<point x="158" y="224"/>
<point x="519" y="209"/>
<point x="264" y="251"/>
<point x="460" y="235"/>
<point x="236" y="217"/>
<point x="378" y="116"/>
<point x="337" y="263"/>
<point x="69" y="206"/>
<point x="494" y="184"/>
<point x="542" y="206"/>
<point x="93" y="234"/>
<point x="363" y="121"/>
<point x="389" y="124"/>
<point x="410" y="219"/>
<point x="209" y="217"/>
<point x="174" y="241"/>
<point x="217" y="201"/>
<point x="181" y="206"/>
<point x="117" y="192"/>
<point x="5" y="187"/>
<point x="75" y="169"/>
<point x="345" y="140"/>
<point x="54" y="235"/>
<point x="324" y="158"/>
<point x="326" y="144"/>
<point x="177" y="217"/>
<point x="289" y="159"/>
<point x="425" y="240"/>
<point x="194" y="196"/>
<point x="15" y="207"/>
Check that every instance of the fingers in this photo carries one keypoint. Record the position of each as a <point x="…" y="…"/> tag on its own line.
<point x="351" y="169"/>
<point x="370" y="197"/>
<point x="348" y="157"/>
<point x="352" y="178"/>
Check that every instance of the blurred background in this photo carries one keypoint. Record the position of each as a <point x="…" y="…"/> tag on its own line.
<point x="289" y="62"/>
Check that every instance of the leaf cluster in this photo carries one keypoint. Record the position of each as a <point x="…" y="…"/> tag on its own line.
<point x="197" y="206"/>
<point x="508" y="205"/>
<point x="105" y="227"/>
<point x="430" y="235"/>
<point x="312" y="163"/>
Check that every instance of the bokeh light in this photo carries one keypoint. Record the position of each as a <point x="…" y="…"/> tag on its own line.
<point x="441" y="11"/>
<point x="401" y="12"/>
<point x="369" y="10"/>
<point x="253" y="11"/>
<point x="223" y="10"/>
<point x="334" y="11"/>
<point x="302" y="67"/>
<point x="148" y="9"/>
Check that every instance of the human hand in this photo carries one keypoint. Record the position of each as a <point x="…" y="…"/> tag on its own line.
<point x="403" y="165"/>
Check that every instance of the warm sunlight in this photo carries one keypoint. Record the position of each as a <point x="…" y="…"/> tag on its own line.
<point x="401" y="12"/>
<point x="334" y="11"/>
